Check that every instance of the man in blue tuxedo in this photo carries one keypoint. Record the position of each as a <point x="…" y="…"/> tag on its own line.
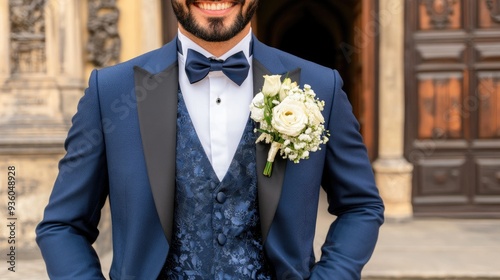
<point x="167" y="138"/>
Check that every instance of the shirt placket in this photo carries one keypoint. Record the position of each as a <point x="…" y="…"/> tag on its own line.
<point x="218" y="124"/>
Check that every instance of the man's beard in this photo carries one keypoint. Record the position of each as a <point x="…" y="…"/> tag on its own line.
<point x="215" y="32"/>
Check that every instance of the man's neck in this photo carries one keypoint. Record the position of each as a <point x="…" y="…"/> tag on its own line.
<point x="217" y="48"/>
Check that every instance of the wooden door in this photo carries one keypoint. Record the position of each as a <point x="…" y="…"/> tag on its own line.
<point x="453" y="106"/>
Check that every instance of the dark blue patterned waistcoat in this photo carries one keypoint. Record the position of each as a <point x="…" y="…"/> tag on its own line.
<point x="216" y="226"/>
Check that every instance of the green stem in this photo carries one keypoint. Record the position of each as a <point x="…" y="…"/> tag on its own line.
<point x="268" y="169"/>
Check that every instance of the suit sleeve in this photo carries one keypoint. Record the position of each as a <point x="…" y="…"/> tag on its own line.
<point x="69" y="226"/>
<point x="352" y="196"/>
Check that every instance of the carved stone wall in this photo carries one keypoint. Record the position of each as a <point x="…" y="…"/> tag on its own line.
<point x="27" y="36"/>
<point x="104" y="43"/>
<point x="40" y="81"/>
<point x="48" y="49"/>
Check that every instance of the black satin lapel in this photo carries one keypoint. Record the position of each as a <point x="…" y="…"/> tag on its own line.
<point x="157" y="108"/>
<point x="269" y="188"/>
<point x="294" y="75"/>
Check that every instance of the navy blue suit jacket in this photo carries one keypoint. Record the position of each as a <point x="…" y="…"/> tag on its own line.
<point x="121" y="146"/>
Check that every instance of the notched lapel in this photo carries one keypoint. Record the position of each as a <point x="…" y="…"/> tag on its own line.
<point x="269" y="188"/>
<point x="156" y="96"/>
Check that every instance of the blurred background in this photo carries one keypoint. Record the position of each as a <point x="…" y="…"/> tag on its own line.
<point x="423" y="77"/>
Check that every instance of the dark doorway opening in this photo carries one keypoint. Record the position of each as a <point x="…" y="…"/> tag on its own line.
<point x="297" y="40"/>
<point x="330" y="33"/>
<point x="314" y="30"/>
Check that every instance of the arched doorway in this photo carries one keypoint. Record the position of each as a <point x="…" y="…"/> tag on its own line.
<point x="330" y="33"/>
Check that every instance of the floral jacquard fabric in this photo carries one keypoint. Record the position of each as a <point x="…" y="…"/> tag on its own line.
<point x="216" y="226"/>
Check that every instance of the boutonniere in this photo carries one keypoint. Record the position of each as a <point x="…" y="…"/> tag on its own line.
<point x="289" y="119"/>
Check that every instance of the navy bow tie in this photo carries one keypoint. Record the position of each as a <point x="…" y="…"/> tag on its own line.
<point x="198" y="66"/>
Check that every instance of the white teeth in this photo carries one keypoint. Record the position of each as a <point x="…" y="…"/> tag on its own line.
<point x="214" y="6"/>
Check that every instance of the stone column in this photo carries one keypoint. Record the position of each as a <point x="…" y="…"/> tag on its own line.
<point x="40" y="81"/>
<point x="151" y="25"/>
<point x="69" y="69"/>
<point x="141" y="23"/>
<point x="392" y="171"/>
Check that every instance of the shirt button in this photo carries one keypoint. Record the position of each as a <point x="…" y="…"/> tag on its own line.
<point x="221" y="197"/>
<point x="218" y="101"/>
<point x="221" y="238"/>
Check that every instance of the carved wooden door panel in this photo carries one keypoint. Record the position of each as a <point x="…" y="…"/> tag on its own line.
<point x="453" y="106"/>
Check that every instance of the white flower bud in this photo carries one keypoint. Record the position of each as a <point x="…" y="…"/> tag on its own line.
<point x="272" y="85"/>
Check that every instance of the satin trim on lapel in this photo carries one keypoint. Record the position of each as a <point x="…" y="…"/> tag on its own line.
<point x="157" y="109"/>
<point x="269" y="188"/>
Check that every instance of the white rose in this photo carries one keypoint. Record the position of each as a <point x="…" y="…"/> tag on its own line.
<point x="272" y="85"/>
<point x="257" y="114"/>
<point x="258" y="100"/>
<point x="317" y="118"/>
<point x="257" y="107"/>
<point x="289" y="117"/>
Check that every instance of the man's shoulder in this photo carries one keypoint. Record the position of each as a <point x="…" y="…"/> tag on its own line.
<point x="114" y="81"/>
<point x="153" y="61"/>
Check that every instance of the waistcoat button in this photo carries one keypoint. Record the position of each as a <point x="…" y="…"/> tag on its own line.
<point x="221" y="238"/>
<point x="221" y="197"/>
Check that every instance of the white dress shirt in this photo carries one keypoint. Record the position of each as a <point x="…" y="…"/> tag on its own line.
<point x="219" y="108"/>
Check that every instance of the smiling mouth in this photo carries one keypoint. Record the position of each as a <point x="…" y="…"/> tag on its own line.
<point x="214" y="6"/>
